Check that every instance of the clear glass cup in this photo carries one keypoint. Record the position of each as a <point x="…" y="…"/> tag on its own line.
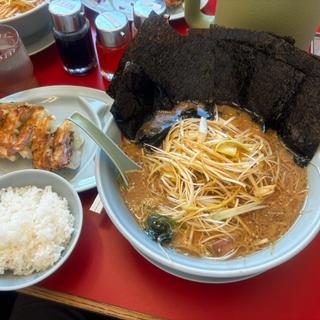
<point x="16" y="69"/>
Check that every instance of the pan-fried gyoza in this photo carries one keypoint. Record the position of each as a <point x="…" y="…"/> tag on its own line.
<point x="28" y="131"/>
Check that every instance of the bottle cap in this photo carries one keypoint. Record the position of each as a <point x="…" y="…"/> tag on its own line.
<point x="143" y="8"/>
<point x="67" y="15"/>
<point x="113" y="28"/>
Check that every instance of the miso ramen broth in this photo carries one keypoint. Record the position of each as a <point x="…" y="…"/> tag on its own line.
<point x="223" y="187"/>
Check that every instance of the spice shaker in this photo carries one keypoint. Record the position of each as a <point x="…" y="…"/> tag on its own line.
<point x="71" y="30"/>
<point x="113" y="37"/>
<point x="142" y="10"/>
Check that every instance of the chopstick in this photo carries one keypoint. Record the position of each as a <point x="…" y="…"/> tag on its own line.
<point x="97" y="205"/>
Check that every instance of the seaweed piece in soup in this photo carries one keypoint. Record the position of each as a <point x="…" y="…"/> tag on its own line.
<point x="159" y="228"/>
<point x="155" y="130"/>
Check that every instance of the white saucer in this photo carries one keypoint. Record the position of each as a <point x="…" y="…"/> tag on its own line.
<point x="39" y="41"/>
<point x="62" y="101"/>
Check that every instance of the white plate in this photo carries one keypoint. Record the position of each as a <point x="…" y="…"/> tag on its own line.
<point x="62" y="101"/>
<point x="126" y="7"/>
<point x="39" y="41"/>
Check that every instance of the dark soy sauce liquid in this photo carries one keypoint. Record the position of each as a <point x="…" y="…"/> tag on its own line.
<point x="76" y="50"/>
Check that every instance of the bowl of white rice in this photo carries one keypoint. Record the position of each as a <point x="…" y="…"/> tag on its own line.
<point x="40" y="224"/>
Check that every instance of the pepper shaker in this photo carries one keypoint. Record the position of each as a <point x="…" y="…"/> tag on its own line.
<point x="142" y="10"/>
<point x="113" y="37"/>
<point x="71" y="30"/>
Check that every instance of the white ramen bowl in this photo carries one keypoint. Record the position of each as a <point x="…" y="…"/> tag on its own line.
<point x="30" y="22"/>
<point x="63" y="188"/>
<point x="200" y="269"/>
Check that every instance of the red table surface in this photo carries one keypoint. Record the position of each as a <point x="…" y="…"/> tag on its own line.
<point x="105" y="268"/>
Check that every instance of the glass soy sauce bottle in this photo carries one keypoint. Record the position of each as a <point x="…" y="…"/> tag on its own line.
<point x="71" y="30"/>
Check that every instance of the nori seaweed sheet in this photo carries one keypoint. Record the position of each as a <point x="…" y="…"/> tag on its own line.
<point x="301" y="126"/>
<point x="151" y="49"/>
<point x="268" y="100"/>
<point x="233" y="68"/>
<point x="259" y="71"/>
<point x="134" y="100"/>
<point x="277" y="47"/>
<point x="168" y="55"/>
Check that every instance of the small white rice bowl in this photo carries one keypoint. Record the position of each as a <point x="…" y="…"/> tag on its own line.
<point x="40" y="223"/>
<point x="35" y="227"/>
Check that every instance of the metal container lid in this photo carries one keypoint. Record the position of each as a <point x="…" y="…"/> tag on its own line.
<point x="67" y="15"/>
<point x="113" y="28"/>
<point x="143" y="8"/>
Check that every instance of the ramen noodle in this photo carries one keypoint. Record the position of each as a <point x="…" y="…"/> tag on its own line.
<point x="10" y="8"/>
<point x="216" y="188"/>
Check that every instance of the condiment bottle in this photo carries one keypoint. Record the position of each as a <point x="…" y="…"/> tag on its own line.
<point x="142" y="10"/>
<point x="71" y="30"/>
<point x="113" y="37"/>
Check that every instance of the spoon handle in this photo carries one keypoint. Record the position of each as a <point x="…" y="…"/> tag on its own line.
<point x="121" y="161"/>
